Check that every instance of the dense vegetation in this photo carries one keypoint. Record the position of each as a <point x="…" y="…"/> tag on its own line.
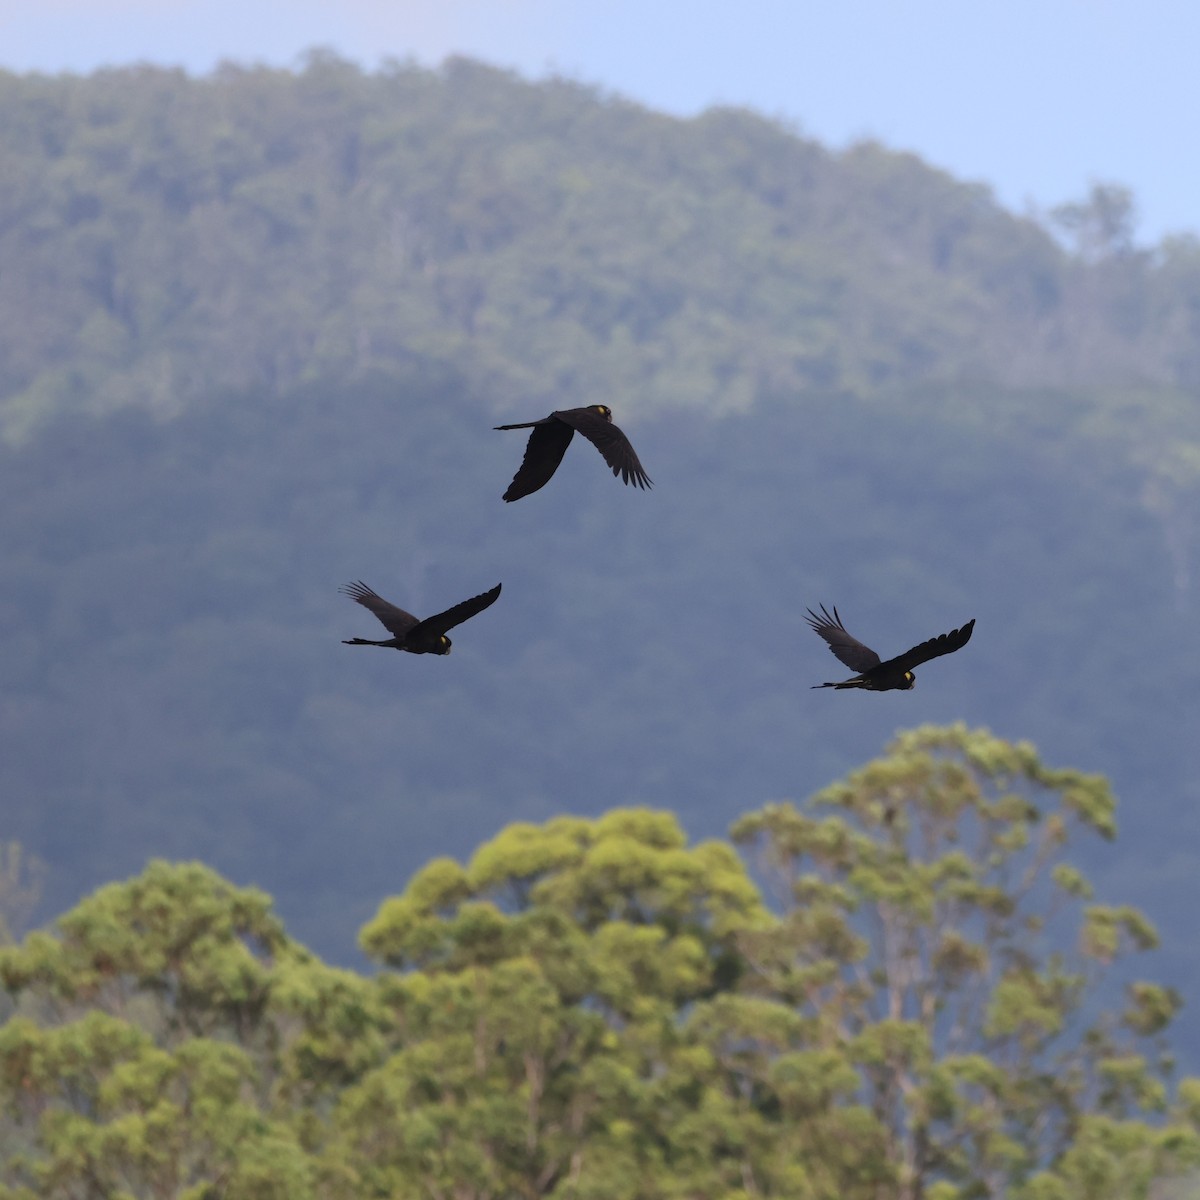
<point x="254" y="329"/>
<point x="165" y="238"/>
<point x="174" y="681"/>
<point x="596" y="1008"/>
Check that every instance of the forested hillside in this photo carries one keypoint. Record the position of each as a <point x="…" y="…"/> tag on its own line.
<point x="255" y="329"/>
<point x="166" y="237"/>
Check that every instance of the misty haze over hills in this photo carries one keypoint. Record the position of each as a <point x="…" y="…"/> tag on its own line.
<point x="255" y="329"/>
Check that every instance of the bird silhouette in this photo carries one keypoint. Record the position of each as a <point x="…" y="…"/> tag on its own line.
<point x="896" y="674"/>
<point x="412" y="634"/>
<point x="552" y="435"/>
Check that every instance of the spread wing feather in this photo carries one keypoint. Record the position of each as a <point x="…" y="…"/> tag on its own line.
<point x="846" y="649"/>
<point x="547" y="444"/>
<point x="395" y="620"/>
<point x="458" y="614"/>
<point x="610" y="441"/>
<point x="946" y="643"/>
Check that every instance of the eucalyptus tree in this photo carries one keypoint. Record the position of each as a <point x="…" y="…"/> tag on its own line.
<point x="934" y="932"/>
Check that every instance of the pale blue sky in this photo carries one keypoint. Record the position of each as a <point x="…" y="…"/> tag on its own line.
<point x="1036" y="97"/>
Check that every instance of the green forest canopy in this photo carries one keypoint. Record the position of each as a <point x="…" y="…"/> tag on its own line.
<point x="168" y="237"/>
<point x="255" y="327"/>
<point x="597" y="1008"/>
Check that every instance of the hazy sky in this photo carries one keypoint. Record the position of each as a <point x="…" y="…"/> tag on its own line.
<point x="1036" y="97"/>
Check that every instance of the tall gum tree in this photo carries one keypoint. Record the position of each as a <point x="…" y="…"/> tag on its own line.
<point x="934" y="933"/>
<point x="568" y="1025"/>
<point x="171" y="1040"/>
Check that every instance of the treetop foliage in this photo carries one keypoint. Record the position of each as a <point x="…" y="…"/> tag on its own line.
<point x="596" y="1007"/>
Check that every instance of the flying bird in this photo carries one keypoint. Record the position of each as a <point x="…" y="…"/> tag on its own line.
<point x="873" y="674"/>
<point x="552" y="435"/>
<point x="415" y="636"/>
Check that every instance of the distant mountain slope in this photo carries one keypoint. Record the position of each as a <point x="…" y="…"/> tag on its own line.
<point x="173" y="680"/>
<point x="164" y="237"/>
<point x="853" y="380"/>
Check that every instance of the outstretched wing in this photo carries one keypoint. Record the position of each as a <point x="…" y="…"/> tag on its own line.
<point x="395" y="620"/>
<point x="547" y="445"/>
<point x="457" y="615"/>
<point x="947" y="643"/>
<point x="610" y="441"/>
<point x="846" y="649"/>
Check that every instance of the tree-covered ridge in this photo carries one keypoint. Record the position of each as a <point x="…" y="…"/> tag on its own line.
<point x="174" y="685"/>
<point x="165" y="237"/>
<point x="597" y="1008"/>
